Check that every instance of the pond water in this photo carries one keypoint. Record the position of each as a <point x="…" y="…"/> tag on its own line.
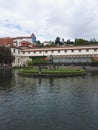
<point x="69" y="103"/>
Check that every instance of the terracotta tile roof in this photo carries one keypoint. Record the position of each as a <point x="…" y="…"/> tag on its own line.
<point x="25" y="43"/>
<point x="21" y="37"/>
<point x="6" y="41"/>
<point x="63" y="48"/>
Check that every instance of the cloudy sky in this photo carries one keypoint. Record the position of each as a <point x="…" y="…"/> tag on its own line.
<point x="48" y="19"/>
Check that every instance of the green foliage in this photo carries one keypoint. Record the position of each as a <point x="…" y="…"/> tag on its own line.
<point x="38" y="44"/>
<point x="29" y="62"/>
<point x="5" y="55"/>
<point x="57" y="41"/>
<point x="37" y="60"/>
<point x="28" y="70"/>
<point x="81" y="41"/>
<point x="56" y="71"/>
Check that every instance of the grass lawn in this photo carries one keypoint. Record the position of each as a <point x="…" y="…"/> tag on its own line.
<point x="51" y="71"/>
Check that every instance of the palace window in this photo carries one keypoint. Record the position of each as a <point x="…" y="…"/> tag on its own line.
<point x="18" y="60"/>
<point x="16" y="44"/>
<point x="87" y="50"/>
<point x="95" y="49"/>
<point x="18" y="51"/>
<point x="14" y="50"/>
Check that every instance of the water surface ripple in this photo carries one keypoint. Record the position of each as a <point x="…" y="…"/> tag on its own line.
<point x="48" y="103"/>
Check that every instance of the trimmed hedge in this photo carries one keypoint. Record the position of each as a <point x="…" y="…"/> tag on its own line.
<point x="56" y="71"/>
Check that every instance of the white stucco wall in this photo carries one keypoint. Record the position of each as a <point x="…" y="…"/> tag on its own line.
<point x="21" y="56"/>
<point x="59" y="52"/>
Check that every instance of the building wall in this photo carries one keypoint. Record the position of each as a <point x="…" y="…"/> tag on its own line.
<point x="59" y="52"/>
<point x="80" y="54"/>
<point x="17" y="42"/>
<point x="19" y="60"/>
<point x="73" y="60"/>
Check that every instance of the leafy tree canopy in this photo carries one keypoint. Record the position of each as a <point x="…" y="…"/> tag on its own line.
<point x="5" y="55"/>
<point x="81" y="41"/>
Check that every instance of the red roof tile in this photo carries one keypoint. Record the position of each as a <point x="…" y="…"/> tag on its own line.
<point x="25" y="43"/>
<point x="6" y="41"/>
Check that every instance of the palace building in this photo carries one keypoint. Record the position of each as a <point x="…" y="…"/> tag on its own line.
<point x="23" y="49"/>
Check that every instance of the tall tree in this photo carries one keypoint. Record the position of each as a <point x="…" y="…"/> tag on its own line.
<point x="6" y="56"/>
<point x="57" y="41"/>
<point x="81" y="41"/>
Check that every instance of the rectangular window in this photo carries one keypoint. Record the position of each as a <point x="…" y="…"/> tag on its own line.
<point x="18" y="60"/>
<point x="18" y="51"/>
<point x="95" y="49"/>
<point x="87" y="50"/>
<point x="65" y="50"/>
<point x="52" y="51"/>
<point x="79" y="50"/>
<point x="23" y="52"/>
<point x="58" y="51"/>
<point x="72" y="50"/>
<point x="34" y="52"/>
<point x="14" y="50"/>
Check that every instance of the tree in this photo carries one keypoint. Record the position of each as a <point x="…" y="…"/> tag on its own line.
<point x="37" y="60"/>
<point x="57" y="41"/>
<point x="6" y="56"/>
<point x="81" y="41"/>
<point x="38" y="43"/>
<point x="68" y="41"/>
<point x="93" y="41"/>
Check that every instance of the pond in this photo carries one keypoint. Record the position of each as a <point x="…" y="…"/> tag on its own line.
<point x="69" y="103"/>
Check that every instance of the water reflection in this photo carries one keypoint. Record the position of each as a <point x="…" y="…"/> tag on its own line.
<point x="5" y="73"/>
<point x="5" y="78"/>
<point x="48" y="103"/>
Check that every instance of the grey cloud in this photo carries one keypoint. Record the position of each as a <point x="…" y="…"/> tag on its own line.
<point x="47" y="19"/>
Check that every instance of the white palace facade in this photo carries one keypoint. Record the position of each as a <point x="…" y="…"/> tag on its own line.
<point x="23" y="49"/>
<point x="75" y="54"/>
